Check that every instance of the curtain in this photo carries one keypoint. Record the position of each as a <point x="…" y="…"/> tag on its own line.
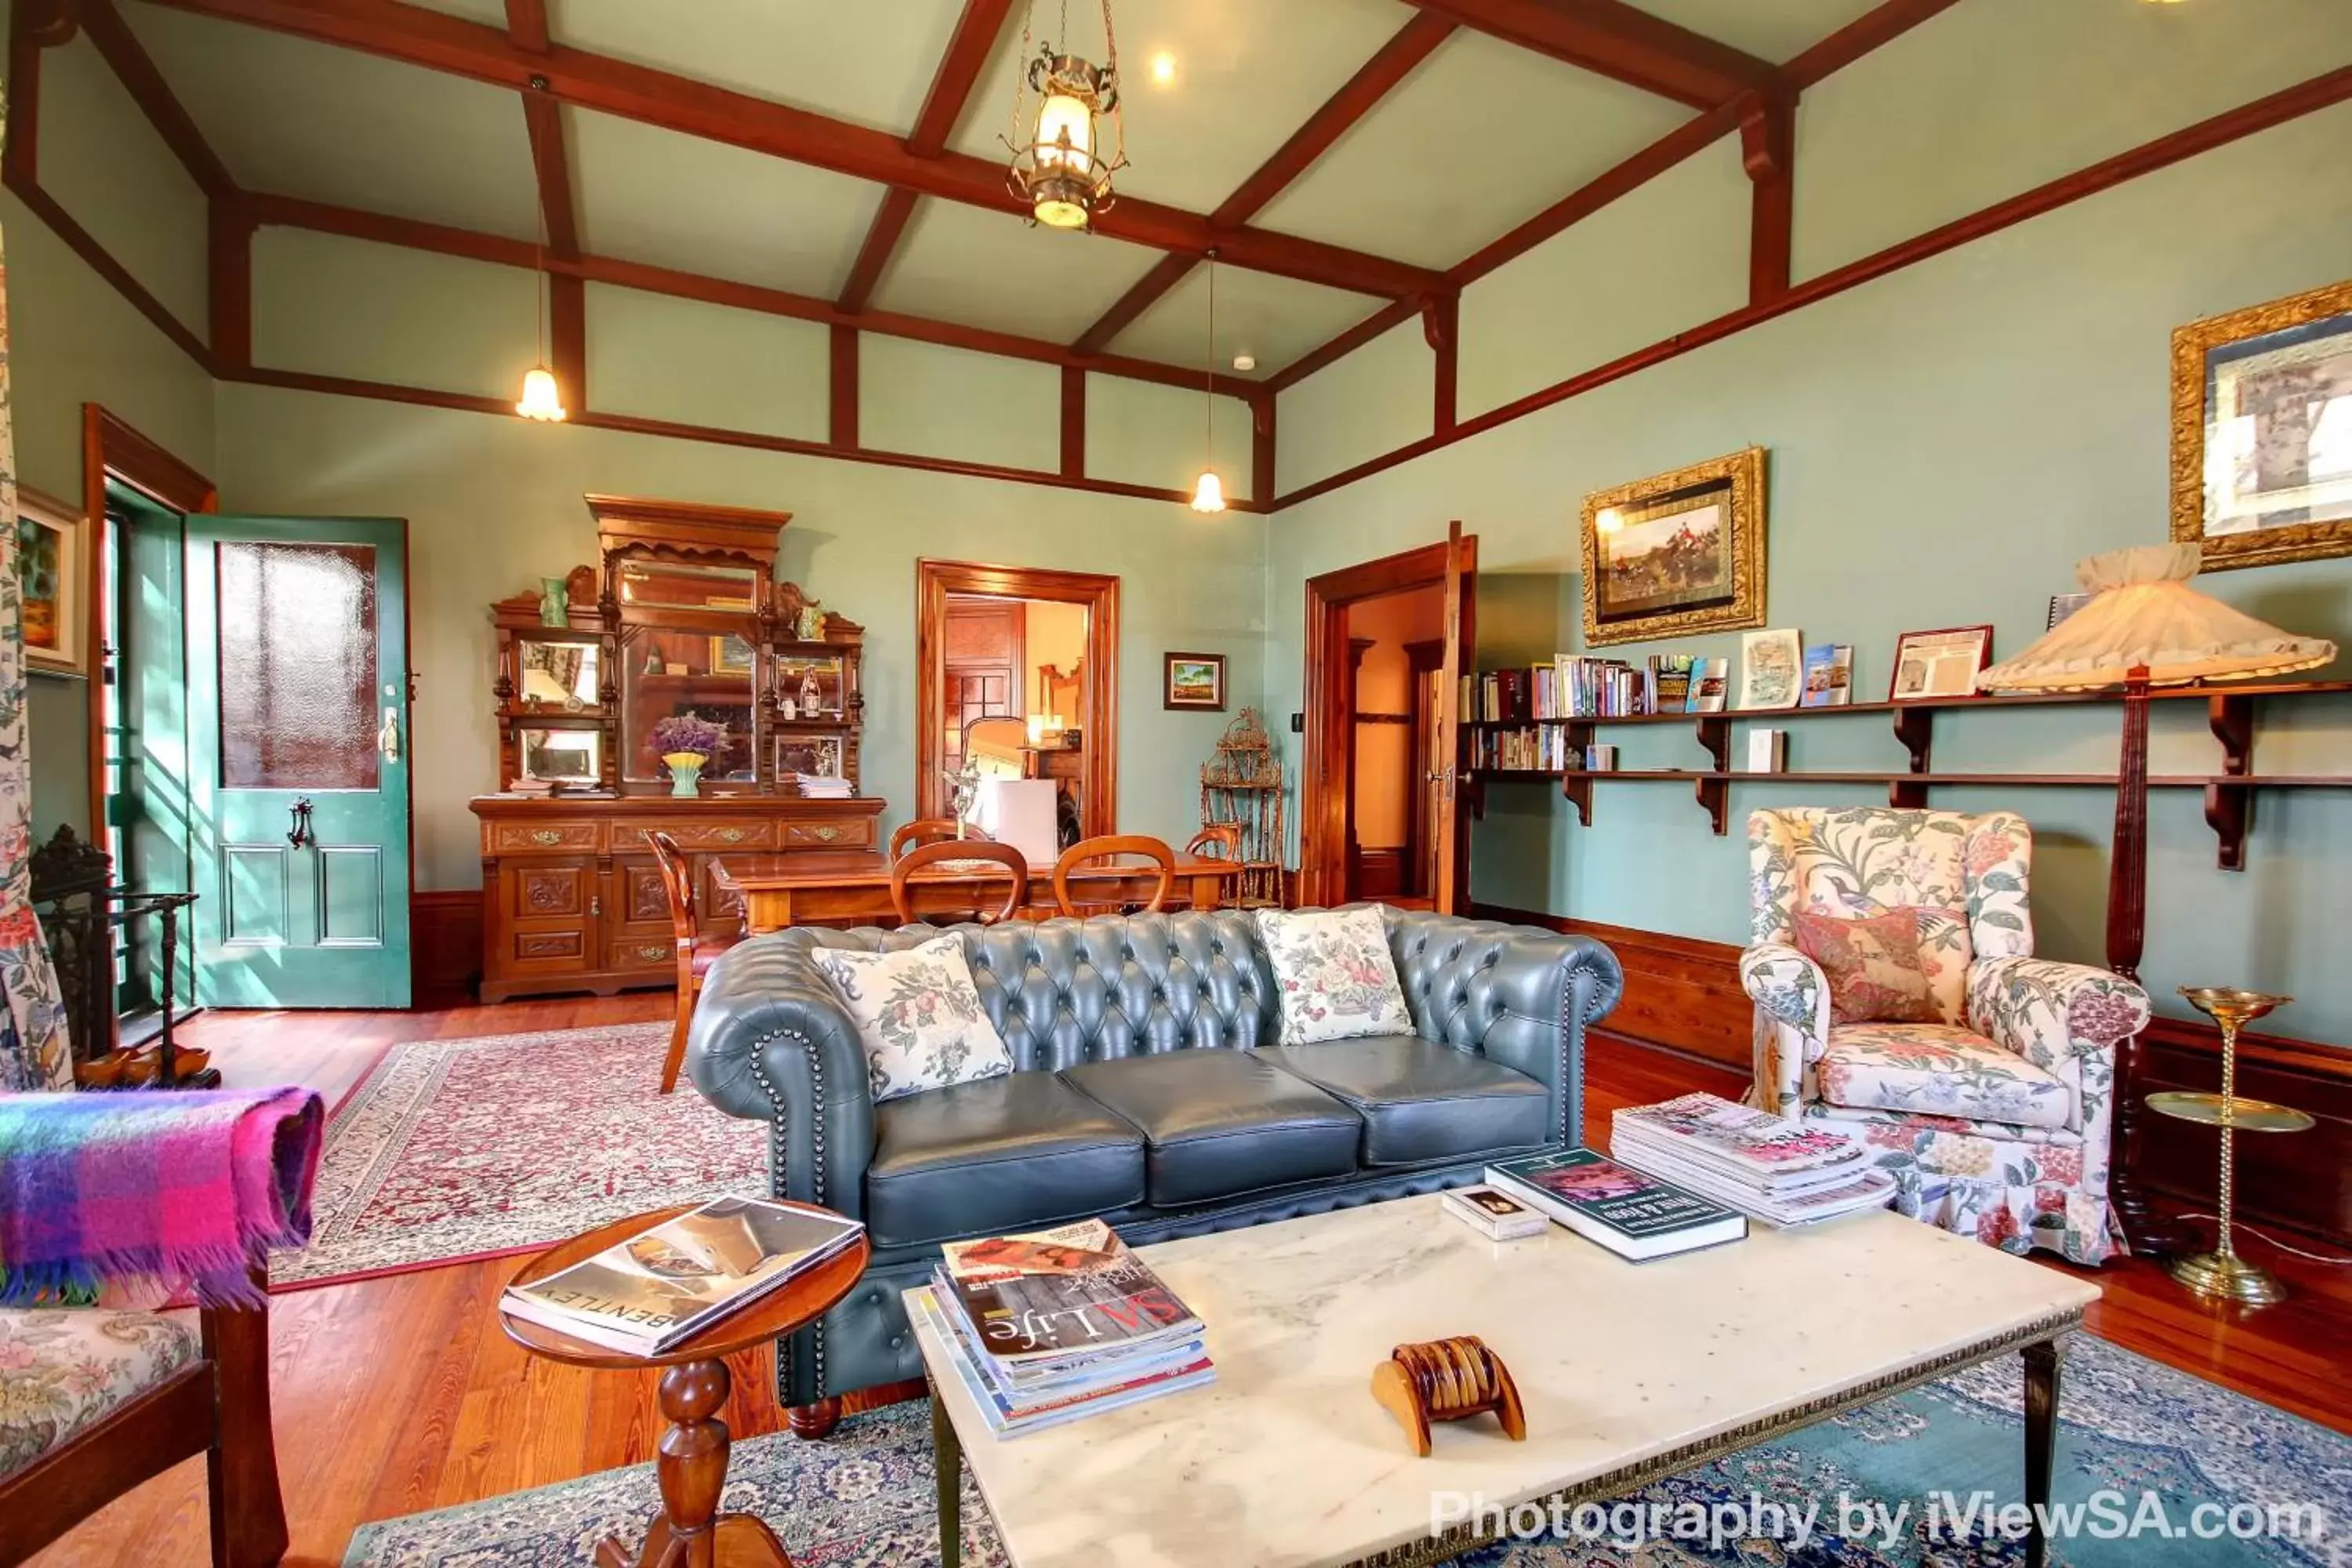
<point x="33" y="1053"/>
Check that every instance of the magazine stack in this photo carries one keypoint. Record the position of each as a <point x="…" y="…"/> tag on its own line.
<point x="1769" y="1167"/>
<point x="1059" y="1324"/>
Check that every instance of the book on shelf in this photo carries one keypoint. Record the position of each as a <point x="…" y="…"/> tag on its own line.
<point x="1767" y="751"/>
<point x="1632" y="1213"/>
<point x="1828" y="674"/>
<point x="1493" y="1213"/>
<point x="670" y="1281"/>
<point x="1774" y="1168"/>
<point x="819" y="787"/>
<point x="1710" y="686"/>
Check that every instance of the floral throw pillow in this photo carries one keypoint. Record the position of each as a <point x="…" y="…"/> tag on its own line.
<point x="1337" y="979"/>
<point x="1873" y="965"/>
<point x="918" y="1014"/>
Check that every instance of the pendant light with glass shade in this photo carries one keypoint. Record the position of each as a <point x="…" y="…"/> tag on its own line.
<point x="541" y="399"/>
<point x="1058" y="171"/>
<point x="1208" y="490"/>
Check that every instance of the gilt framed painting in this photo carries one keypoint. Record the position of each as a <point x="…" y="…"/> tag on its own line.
<point x="2262" y="431"/>
<point x="1678" y="553"/>
<point x="1195" y="680"/>
<point x="52" y="579"/>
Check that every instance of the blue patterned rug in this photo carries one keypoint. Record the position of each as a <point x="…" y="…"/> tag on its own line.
<point x="2143" y="1445"/>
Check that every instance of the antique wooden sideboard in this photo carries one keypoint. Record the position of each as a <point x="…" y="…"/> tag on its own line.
<point x="686" y="619"/>
<point x="570" y="901"/>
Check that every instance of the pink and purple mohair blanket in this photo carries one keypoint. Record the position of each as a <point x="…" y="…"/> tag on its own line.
<point x="181" y="1192"/>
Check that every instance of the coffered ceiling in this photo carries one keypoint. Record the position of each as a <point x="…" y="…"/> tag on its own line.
<point x="1341" y="156"/>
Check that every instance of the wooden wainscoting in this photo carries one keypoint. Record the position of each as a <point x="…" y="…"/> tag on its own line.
<point x="444" y="953"/>
<point x="1683" y="994"/>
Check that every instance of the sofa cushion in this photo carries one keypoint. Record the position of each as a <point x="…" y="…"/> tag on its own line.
<point x="1421" y="1101"/>
<point x="1941" y="1071"/>
<point x="1003" y="1155"/>
<point x="917" y="1017"/>
<point x="63" y="1370"/>
<point x="1337" y="976"/>
<point x="1217" y="1122"/>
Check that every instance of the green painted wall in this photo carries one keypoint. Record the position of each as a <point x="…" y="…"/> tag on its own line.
<point x="494" y="504"/>
<point x="1945" y="443"/>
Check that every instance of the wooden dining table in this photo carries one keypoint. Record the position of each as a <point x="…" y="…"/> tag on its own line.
<point x="852" y="887"/>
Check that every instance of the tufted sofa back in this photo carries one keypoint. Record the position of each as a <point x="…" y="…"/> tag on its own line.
<point x="1066" y="991"/>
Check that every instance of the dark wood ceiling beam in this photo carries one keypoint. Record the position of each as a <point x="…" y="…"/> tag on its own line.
<point x="1768" y="136"/>
<point x="1379" y="76"/>
<point x="1881" y="25"/>
<point x="135" y="69"/>
<point x="1616" y="40"/>
<point x="416" y="35"/>
<point x="325" y="217"/>
<point x="943" y="106"/>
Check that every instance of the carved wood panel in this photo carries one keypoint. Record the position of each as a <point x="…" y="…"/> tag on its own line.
<point x="543" y="892"/>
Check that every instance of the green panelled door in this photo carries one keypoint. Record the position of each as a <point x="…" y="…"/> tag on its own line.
<point x="298" y="744"/>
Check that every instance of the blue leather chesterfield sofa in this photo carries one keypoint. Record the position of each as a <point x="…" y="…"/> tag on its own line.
<point x="1148" y="1090"/>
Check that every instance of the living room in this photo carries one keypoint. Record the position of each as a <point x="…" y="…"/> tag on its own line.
<point x="566" y="548"/>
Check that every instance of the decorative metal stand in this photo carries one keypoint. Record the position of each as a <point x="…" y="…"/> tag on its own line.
<point x="2221" y="1273"/>
<point x="1242" y="784"/>
<point x="79" y="905"/>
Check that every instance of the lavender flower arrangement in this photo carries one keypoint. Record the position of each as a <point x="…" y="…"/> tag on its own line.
<point x="688" y="732"/>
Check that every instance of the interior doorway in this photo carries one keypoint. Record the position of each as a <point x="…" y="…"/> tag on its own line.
<point x="1017" y="678"/>
<point x="1396" y="645"/>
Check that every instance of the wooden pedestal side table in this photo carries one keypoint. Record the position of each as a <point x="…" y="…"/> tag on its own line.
<point x="690" y="1532"/>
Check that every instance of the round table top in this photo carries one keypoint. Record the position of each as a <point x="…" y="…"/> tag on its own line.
<point x="782" y="1309"/>
<point x="2243" y="1114"/>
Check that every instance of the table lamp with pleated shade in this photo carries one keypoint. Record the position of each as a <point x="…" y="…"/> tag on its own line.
<point x="2145" y="626"/>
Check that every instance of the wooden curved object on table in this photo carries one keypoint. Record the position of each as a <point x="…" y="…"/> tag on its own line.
<point x="1447" y="1380"/>
<point x="692" y="1463"/>
<point x="963" y="851"/>
<point x="931" y="830"/>
<point x="1217" y="841"/>
<point x="1110" y="847"/>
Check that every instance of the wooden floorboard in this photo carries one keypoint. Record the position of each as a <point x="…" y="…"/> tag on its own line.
<point x="398" y="1394"/>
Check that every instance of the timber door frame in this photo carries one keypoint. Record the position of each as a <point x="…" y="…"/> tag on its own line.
<point x="1098" y="593"/>
<point x="1330" y="752"/>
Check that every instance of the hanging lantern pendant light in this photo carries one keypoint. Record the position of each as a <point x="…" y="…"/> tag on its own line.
<point x="1208" y="490"/>
<point x="541" y="399"/>
<point x="1058" y="171"/>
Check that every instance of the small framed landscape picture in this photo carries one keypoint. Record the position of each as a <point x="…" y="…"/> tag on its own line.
<point x="52" y="562"/>
<point x="1677" y="553"/>
<point x="1772" y="667"/>
<point x="1195" y="680"/>
<point x="1938" y="664"/>
<point x="2262" y="399"/>
<point x="819" y="756"/>
<point x="730" y="655"/>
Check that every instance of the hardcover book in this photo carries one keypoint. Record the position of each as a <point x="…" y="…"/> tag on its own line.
<point x="1636" y="1216"/>
<point x="670" y="1281"/>
<point x="1070" y="1291"/>
<point x="1828" y="674"/>
<point x="1710" y="685"/>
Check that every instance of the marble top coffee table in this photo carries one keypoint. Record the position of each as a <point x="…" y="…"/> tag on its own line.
<point x="1628" y="1372"/>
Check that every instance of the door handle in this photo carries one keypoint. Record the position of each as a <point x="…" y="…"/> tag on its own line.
<point x="387" y="737"/>
<point x="299" y="832"/>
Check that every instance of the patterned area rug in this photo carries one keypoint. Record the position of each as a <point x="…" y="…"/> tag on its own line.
<point x="462" y="1149"/>
<point x="2133" y="1429"/>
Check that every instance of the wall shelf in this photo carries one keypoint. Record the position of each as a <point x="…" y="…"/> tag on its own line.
<point x="2228" y="794"/>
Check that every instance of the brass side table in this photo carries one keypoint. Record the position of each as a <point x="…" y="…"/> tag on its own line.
<point x="2222" y="1274"/>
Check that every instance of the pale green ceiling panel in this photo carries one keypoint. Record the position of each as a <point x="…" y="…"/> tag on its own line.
<point x="655" y="196"/>
<point x="1990" y="98"/>
<point x="1247" y="75"/>
<point x="380" y="313"/>
<point x="1656" y="261"/>
<point x="1773" y="29"/>
<point x="299" y="119"/>
<point x="1373" y="402"/>
<point x="681" y="360"/>
<point x="1142" y="433"/>
<point x="871" y="63"/>
<point x="950" y="402"/>
<point x="1274" y="319"/>
<point x="1480" y="139"/>
<point x="990" y="269"/>
<point x="106" y="167"/>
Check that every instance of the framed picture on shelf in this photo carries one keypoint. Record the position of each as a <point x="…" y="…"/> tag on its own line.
<point x="1195" y="680"/>
<point x="730" y="655"/>
<point x="1771" y="668"/>
<point x="820" y="756"/>
<point x="1938" y="664"/>
<point x="2262" y="397"/>
<point x="1678" y="553"/>
<point x="52" y="575"/>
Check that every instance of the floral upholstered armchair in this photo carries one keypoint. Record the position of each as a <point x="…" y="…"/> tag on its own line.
<point x="1994" y="1117"/>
